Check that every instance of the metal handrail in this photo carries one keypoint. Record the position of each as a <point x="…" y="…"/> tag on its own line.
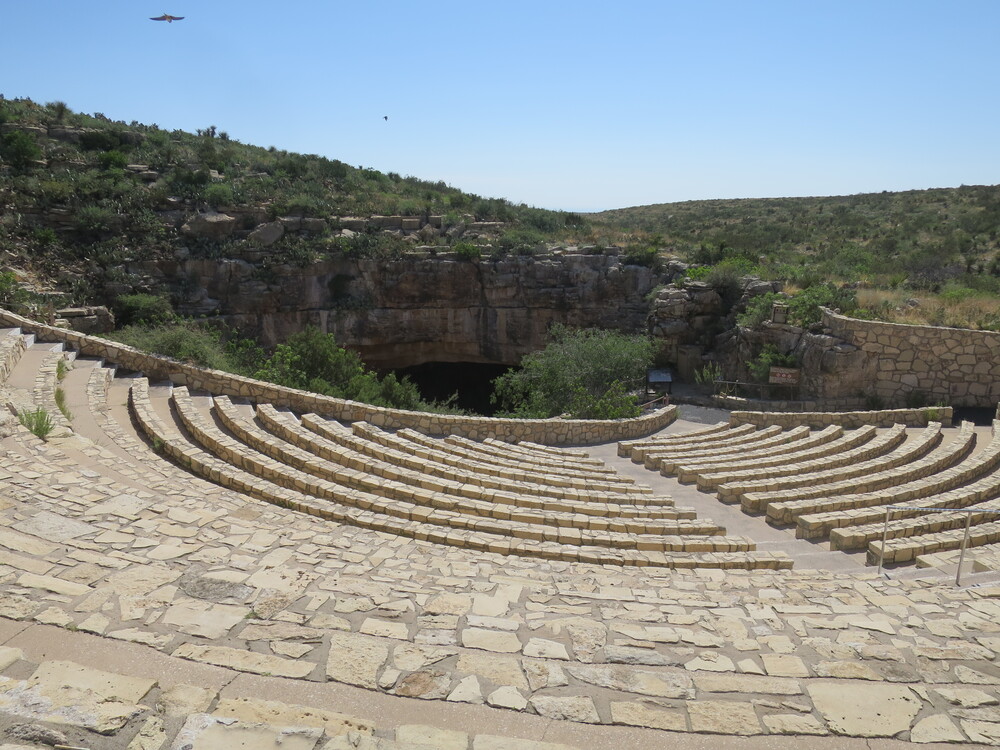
<point x="965" y="539"/>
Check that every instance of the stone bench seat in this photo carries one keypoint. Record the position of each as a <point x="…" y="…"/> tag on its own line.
<point x="434" y="508"/>
<point x="625" y="447"/>
<point x="504" y="456"/>
<point x="541" y="452"/>
<point x="378" y="444"/>
<point x="787" y="440"/>
<point x="907" y="549"/>
<point x="785" y="464"/>
<point x="853" y="523"/>
<point x="427" y="449"/>
<point x="312" y="447"/>
<point x="936" y="473"/>
<point x="202" y="463"/>
<point x="769" y="436"/>
<point x="731" y="441"/>
<point x="887" y="451"/>
<point x="776" y="454"/>
<point x="916" y="524"/>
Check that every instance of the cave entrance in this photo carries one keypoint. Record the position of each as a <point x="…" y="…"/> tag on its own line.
<point x="472" y="381"/>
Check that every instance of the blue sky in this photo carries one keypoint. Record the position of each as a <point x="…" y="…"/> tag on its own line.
<point x="570" y="105"/>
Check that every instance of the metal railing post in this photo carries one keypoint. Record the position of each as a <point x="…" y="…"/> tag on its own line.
<point x="965" y="543"/>
<point x="885" y="534"/>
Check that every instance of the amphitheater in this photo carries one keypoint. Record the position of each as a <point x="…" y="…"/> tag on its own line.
<point x="195" y="561"/>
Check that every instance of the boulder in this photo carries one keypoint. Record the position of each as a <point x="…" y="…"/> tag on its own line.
<point x="212" y="226"/>
<point x="267" y="234"/>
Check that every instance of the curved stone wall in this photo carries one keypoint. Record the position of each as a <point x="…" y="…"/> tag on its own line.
<point x="544" y="431"/>
<point x="958" y="366"/>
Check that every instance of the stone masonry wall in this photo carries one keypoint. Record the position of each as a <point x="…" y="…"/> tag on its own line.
<point x="544" y="431"/>
<point x="960" y="367"/>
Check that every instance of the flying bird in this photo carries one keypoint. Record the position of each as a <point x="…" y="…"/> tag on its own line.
<point x="168" y="18"/>
<point x="386" y="118"/>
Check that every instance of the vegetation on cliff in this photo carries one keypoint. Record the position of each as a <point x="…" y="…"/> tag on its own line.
<point x="82" y="196"/>
<point x="921" y="256"/>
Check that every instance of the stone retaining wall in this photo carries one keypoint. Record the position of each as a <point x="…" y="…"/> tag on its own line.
<point x="849" y="419"/>
<point x="955" y="365"/>
<point x="544" y="431"/>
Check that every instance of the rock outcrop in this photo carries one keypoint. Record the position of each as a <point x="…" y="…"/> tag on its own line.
<point x="403" y="312"/>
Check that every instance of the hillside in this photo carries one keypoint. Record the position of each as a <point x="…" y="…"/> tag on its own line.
<point x="80" y="195"/>
<point x="923" y="237"/>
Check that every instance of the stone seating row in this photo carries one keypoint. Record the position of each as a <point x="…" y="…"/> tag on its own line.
<point x="346" y="447"/>
<point x="938" y="472"/>
<point x="908" y="548"/>
<point x="254" y="474"/>
<point x="665" y="461"/>
<point x="504" y="455"/>
<point x="980" y="511"/>
<point x="784" y="464"/>
<point x="329" y="461"/>
<point x="844" y="527"/>
<point x="527" y="448"/>
<point x="714" y="441"/>
<point x="778" y="454"/>
<point x="568" y="478"/>
<point x="886" y="451"/>
<point x="626" y="447"/>
<point x="398" y="448"/>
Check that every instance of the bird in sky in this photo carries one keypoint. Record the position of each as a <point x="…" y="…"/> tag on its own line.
<point x="386" y="118"/>
<point x="168" y="18"/>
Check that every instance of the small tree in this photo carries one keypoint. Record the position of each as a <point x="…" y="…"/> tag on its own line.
<point x="582" y="372"/>
<point x="19" y="150"/>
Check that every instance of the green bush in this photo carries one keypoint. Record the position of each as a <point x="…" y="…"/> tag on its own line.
<point x="19" y="150"/>
<point x="219" y="194"/>
<point x="311" y="360"/>
<point x="758" y="310"/>
<point x="185" y="342"/>
<point x="467" y="251"/>
<point x="38" y="422"/>
<point x="648" y="257"/>
<point x="112" y="160"/>
<point x="760" y="366"/>
<point x="131" y="309"/>
<point x="575" y="373"/>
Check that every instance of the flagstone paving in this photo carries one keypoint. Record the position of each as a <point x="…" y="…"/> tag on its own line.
<point x="101" y="535"/>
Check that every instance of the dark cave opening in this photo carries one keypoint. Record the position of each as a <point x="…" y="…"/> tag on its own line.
<point x="472" y="381"/>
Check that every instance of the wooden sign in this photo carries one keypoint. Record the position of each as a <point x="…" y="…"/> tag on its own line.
<point x="784" y="376"/>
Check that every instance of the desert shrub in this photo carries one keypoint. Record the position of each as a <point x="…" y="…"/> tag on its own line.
<point x="219" y="194"/>
<point x="575" y="373"/>
<point x="131" y="309"/>
<point x="804" y="307"/>
<point x="92" y="222"/>
<point x="185" y="342"/>
<point x="760" y="366"/>
<point x="19" y="150"/>
<point x="758" y="310"/>
<point x="100" y="140"/>
<point x="113" y="159"/>
<point x="311" y="360"/>
<point x="648" y="256"/>
<point x="467" y="251"/>
<point x="38" y="422"/>
<point x="520" y="241"/>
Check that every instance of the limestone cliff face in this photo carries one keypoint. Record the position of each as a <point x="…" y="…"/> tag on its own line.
<point x="397" y="313"/>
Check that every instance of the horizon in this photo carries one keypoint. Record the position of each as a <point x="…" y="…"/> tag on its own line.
<point x="587" y="110"/>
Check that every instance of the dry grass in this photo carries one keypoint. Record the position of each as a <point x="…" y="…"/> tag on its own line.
<point x="976" y="311"/>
